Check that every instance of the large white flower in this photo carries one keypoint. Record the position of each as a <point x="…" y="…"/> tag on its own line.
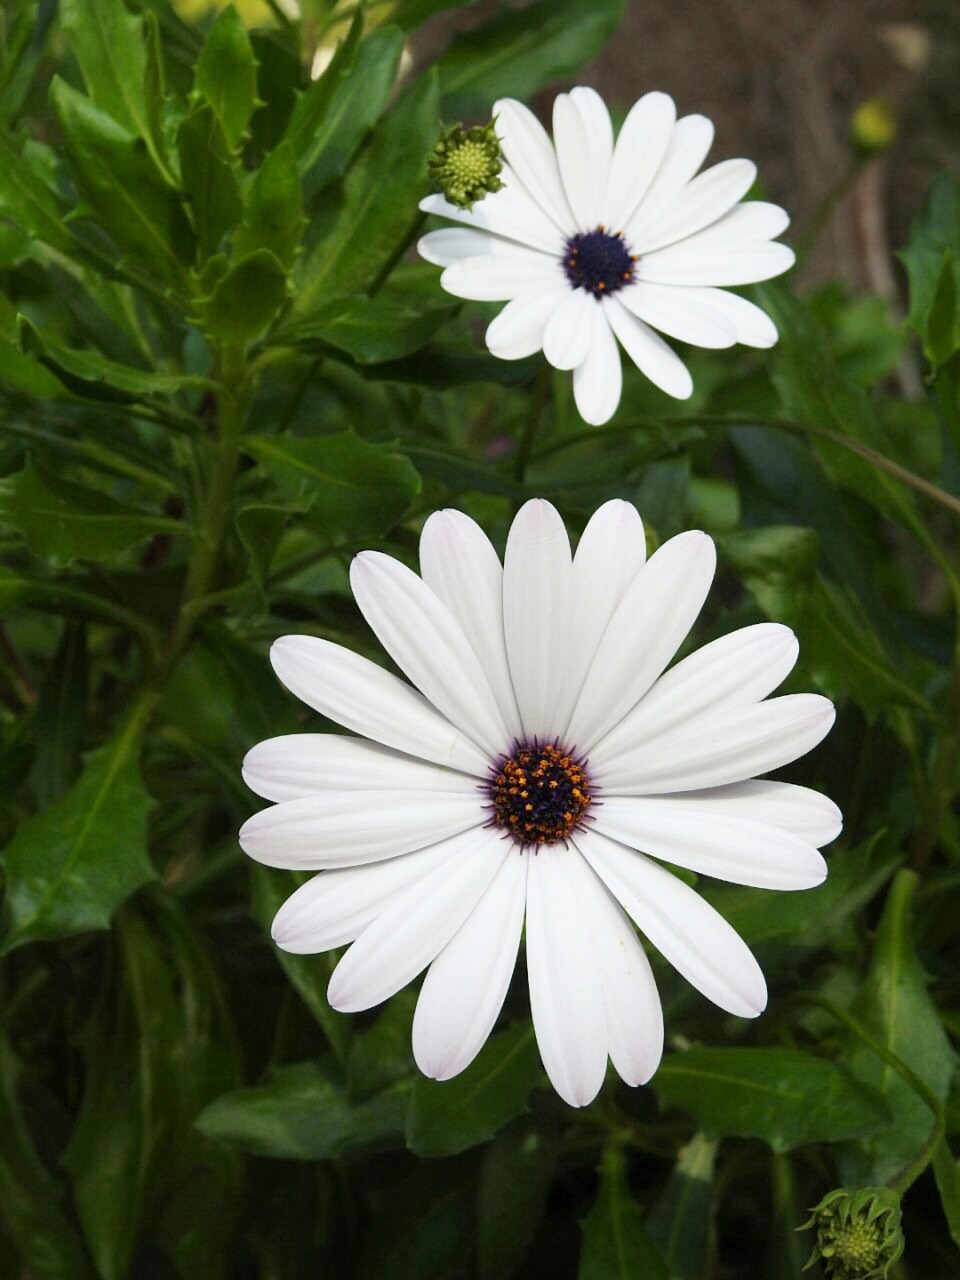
<point x="539" y="764"/>
<point x="591" y="241"/>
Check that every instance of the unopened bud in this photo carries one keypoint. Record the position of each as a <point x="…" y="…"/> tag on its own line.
<point x="465" y="164"/>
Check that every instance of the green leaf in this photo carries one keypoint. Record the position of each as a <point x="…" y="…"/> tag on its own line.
<point x="371" y="330"/>
<point x="946" y="1170"/>
<point x="309" y="975"/>
<point x="95" y="377"/>
<point x="378" y="208"/>
<point x="515" y="1178"/>
<point x="337" y="112"/>
<point x="522" y="50"/>
<point x="616" y="1245"/>
<point x="227" y="74"/>
<point x="122" y="190"/>
<point x="302" y="1112"/>
<point x="208" y="177"/>
<point x="63" y="521"/>
<point x="260" y="528"/>
<point x="108" y="43"/>
<point x="69" y="867"/>
<point x="246" y="298"/>
<point x="61" y="716"/>
<point x="682" y="1219"/>
<point x="783" y="1096"/>
<point x="411" y="14"/>
<point x="28" y="200"/>
<point x="273" y="210"/>
<point x="355" y="488"/>
<point x="30" y="1207"/>
<point x="157" y="1049"/>
<point x="895" y="1004"/>
<point x="451" y="1115"/>
<point x="932" y="260"/>
<point x="382" y="1054"/>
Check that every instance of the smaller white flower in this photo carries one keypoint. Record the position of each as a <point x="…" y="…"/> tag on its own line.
<point x="591" y="241"/>
<point x="528" y="779"/>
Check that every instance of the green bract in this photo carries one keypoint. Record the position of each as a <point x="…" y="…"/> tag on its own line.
<point x="465" y="163"/>
<point x="859" y="1236"/>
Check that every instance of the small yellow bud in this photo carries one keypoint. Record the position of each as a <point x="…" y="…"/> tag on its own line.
<point x="873" y="126"/>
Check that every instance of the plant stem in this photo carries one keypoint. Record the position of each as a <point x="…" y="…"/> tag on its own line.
<point x="416" y="226"/>
<point x="913" y="1168"/>
<point x="946" y="771"/>
<point x="541" y="391"/>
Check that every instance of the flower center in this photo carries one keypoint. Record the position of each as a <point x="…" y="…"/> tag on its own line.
<point x="539" y="794"/>
<point x="598" y="261"/>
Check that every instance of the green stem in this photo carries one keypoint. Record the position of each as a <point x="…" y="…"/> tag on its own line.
<point x="913" y="1168"/>
<point x="945" y="781"/>
<point x="201" y="572"/>
<point x="416" y="226"/>
<point x="541" y="391"/>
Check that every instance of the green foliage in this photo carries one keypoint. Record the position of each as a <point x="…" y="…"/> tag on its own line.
<point x="222" y="374"/>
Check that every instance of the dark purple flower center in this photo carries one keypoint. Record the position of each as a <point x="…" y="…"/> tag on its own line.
<point x="539" y="794"/>
<point x="598" y="261"/>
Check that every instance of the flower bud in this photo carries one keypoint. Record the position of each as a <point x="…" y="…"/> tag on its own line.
<point x="858" y="1233"/>
<point x="873" y="126"/>
<point x="465" y="164"/>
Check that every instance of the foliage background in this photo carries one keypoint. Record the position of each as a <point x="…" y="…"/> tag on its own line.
<point x="221" y="374"/>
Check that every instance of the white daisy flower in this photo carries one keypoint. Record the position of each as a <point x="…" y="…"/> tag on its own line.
<point x="591" y="241"/>
<point x="539" y="764"/>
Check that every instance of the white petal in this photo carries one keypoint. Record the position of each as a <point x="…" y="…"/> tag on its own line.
<point x="347" y="828"/>
<point x="583" y="138"/>
<point x="702" y="201"/>
<point x="648" y="351"/>
<point x="497" y="278"/>
<point x="415" y="926"/>
<point x="361" y="696"/>
<point x="609" y="555"/>
<point x="466" y="985"/>
<point x="736" y="670"/>
<point x="721" y="747"/>
<point x="460" y="565"/>
<point x="643" y="635"/>
<point x="427" y="643"/>
<point x="598" y="382"/>
<point x="569" y="331"/>
<point x="537" y="600"/>
<point x="681" y="313"/>
<point x="517" y="332"/>
<point x="753" y="220"/>
<point x="634" y="1016"/>
<point x="304" y="764"/>
<point x="334" y="907"/>
<point x="509" y="213"/>
<point x="690" y="140"/>
<point x="711" y="843"/>
<point x="641" y="145"/>
<point x="450" y="244"/>
<point x="806" y="813"/>
<point x="531" y="155"/>
<point x="685" y="929"/>
<point x="566" y="996"/>
<point x="717" y="262"/>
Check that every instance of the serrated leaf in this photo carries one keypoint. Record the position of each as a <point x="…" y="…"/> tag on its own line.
<point x="783" y="1096"/>
<point x="63" y="521"/>
<point x="246" y="298"/>
<point x="302" y="1112"/>
<point x="95" y="377"/>
<point x="208" y="177"/>
<point x="122" y="189"/>
<point x="260" y="527"/>
<point x="895" y="1004"/>
<point x="122" y="76"/>
<point x="331" y="120"/>
<point x="522" y="49"/>
<point x="449" y="1116"/>
<point x="378" y="206"/>
<point x="227" y="74"/>
<point x="353" y="487"/>
<point x="273" y="209"/>
<point x="616" y="1245"/>
<point x="68" y="868"/>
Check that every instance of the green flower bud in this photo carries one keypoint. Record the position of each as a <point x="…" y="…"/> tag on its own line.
<point x="465" y="164"/>
<point x="873" y="126"/>
<point x="858" y="1233"/>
